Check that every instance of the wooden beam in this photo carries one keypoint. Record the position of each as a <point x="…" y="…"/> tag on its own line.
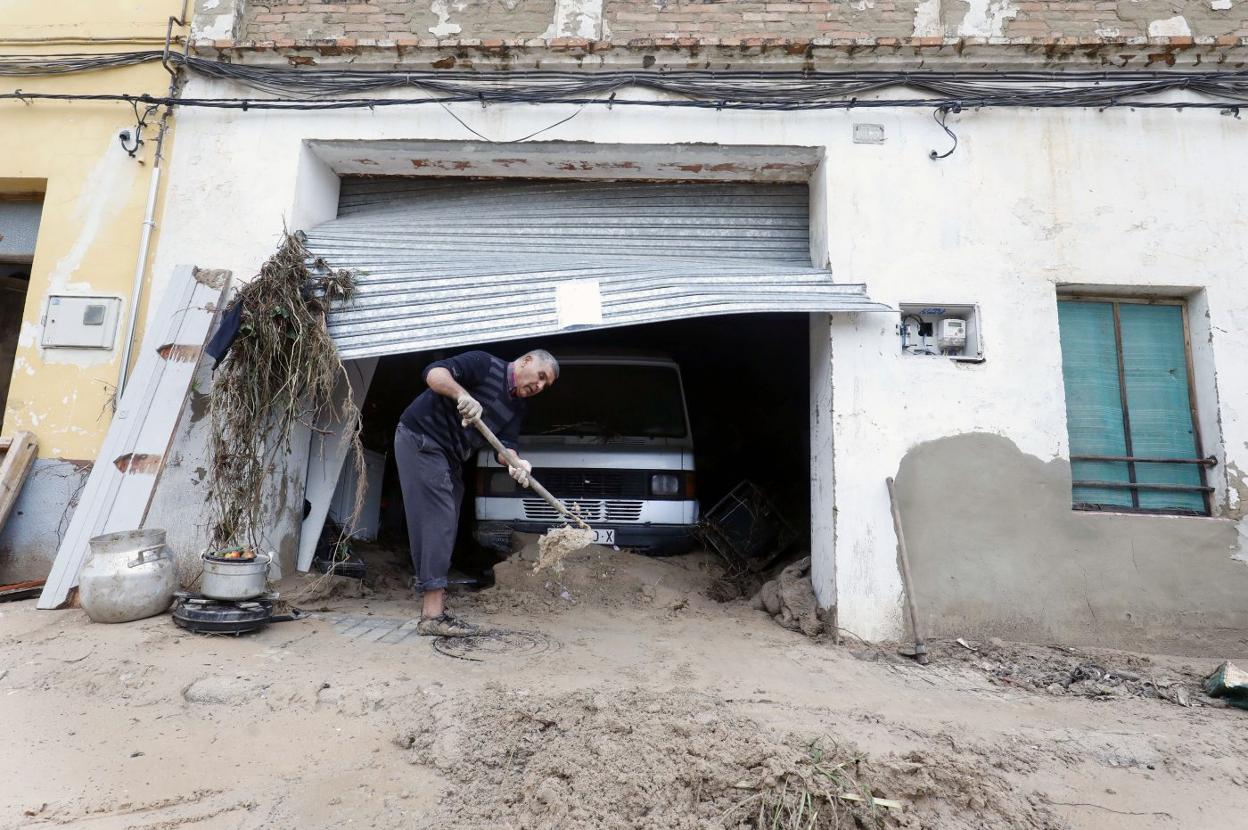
<point x="19" y="455"/>
<point x="20" y="590"/>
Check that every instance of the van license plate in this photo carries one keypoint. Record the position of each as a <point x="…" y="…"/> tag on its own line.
<point x="604" y="537"/>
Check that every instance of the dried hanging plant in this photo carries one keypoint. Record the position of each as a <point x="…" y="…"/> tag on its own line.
<point x="281" y="371"/>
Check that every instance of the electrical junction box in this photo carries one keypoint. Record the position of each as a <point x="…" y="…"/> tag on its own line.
<point x="941" y="330"/>
<point x="78" y="322"/>
<point x="868" y="133"/>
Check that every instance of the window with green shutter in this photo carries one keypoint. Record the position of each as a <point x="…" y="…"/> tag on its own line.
<point x="1133" y="442"/>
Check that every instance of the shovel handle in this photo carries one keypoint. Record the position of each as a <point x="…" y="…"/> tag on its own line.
<point x="489" y="436"/>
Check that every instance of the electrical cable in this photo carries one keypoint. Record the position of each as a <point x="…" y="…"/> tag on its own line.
<point x="941" y="114"/>
<point x="19" y="65"/>
<point x="944" y="92"/>
<point x="373" y="103"/>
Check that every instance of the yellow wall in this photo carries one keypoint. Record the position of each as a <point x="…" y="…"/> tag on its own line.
<point x="91" y="21"/>
<point x="94" y="201"/>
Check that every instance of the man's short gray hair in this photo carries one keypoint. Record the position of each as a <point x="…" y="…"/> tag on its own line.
<point x="545" y="357"/>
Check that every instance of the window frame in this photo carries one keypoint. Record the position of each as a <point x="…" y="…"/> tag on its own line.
<point x="1202" y="461"/>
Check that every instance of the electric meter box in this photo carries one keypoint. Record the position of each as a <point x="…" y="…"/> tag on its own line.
<point x="77" y="322"/>
<point x="946" y="330"/>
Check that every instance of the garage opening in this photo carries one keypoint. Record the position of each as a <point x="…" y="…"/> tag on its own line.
<point x="712" y="280"/>
<point x="744" y="383"/>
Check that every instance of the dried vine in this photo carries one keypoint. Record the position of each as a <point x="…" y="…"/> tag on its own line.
<point x="281" y="371"/>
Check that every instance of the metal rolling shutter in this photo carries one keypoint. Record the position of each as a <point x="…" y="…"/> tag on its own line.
<point x="447" y="262"/>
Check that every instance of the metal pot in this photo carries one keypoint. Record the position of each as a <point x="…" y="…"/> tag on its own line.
<point x="128" y="576"/>
<point x="235" y="579"/>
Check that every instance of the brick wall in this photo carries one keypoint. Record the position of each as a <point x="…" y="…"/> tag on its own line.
<point x="623" y="20"/>
<point x="393" y="19"/>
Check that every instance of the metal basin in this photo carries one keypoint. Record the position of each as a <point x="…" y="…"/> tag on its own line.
<point x="235" y="579"/>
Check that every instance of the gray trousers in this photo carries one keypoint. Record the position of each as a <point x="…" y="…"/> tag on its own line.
<point x="433" y="486"/>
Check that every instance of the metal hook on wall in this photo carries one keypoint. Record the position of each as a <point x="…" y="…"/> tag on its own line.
<point x="941" y="114"/>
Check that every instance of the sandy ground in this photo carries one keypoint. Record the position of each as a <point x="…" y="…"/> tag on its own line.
<point x="631" y="701"/>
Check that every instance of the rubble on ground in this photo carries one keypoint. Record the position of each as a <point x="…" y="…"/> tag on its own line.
<point x="1229" y="682"/>
<point x="790" y="600"/>
<point x="1060" y="670"/>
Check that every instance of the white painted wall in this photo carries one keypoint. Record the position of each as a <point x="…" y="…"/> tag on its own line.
<point x="822" y="468"/>
<point x="1030" y="200"/>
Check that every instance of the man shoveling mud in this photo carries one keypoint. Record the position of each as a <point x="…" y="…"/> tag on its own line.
<point x="431" y="444"/>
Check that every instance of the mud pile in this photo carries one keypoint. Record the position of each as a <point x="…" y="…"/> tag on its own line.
<point x="556" y="545"/>
<point x="597" y="576"/>
<point x="636" y="758"/>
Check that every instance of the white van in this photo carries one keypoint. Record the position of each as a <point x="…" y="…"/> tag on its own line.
<point x="611" y="440"/>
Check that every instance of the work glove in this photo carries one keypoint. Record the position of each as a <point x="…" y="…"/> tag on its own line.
<point x="469" y="408"/>
<point x="520" y="472"/>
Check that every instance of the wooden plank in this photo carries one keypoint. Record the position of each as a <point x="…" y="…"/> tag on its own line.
<point x="123" y="478"/>
<point x="327" y="455"/>
<point x="19" y="455"/>
<point x="4" y="443"/>
<point x="20" y="590"/>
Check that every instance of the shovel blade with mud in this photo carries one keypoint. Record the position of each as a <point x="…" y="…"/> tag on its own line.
<point x="555" y="544"/>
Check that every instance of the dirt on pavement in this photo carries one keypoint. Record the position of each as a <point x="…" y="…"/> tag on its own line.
<point x="603" y="758"/>
<point x="616" y="694"/>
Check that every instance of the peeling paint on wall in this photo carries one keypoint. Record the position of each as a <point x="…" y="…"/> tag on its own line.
<point x="444" y="27"/>
<point x="576" y="18"/>
<point x="214" y="19"/>
<point x="40" y="516"/>
<point x="1237" y="500"/>
<point x="28" y="336"/>
<point x="986" y="18"/>
<point x="114" y="173"/>
<point x="1171" y="27"/>
<point x="220" y="28"/>
<point x="927" y="19"/>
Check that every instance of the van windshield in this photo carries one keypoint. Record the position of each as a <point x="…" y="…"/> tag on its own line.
<point x="610" y="400"/>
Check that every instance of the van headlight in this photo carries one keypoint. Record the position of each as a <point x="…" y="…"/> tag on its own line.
<point x="664" y="484"/>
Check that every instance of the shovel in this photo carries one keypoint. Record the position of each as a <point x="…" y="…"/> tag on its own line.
<point x="533" y="483"/>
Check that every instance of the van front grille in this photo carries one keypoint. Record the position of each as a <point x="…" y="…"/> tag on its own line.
<point x="565" y="483"/>
<point x="623" y="511"/>
<point x="591" y="510"/>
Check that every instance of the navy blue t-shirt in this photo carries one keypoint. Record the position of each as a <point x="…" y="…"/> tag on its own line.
<point x="485" y="378"/>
